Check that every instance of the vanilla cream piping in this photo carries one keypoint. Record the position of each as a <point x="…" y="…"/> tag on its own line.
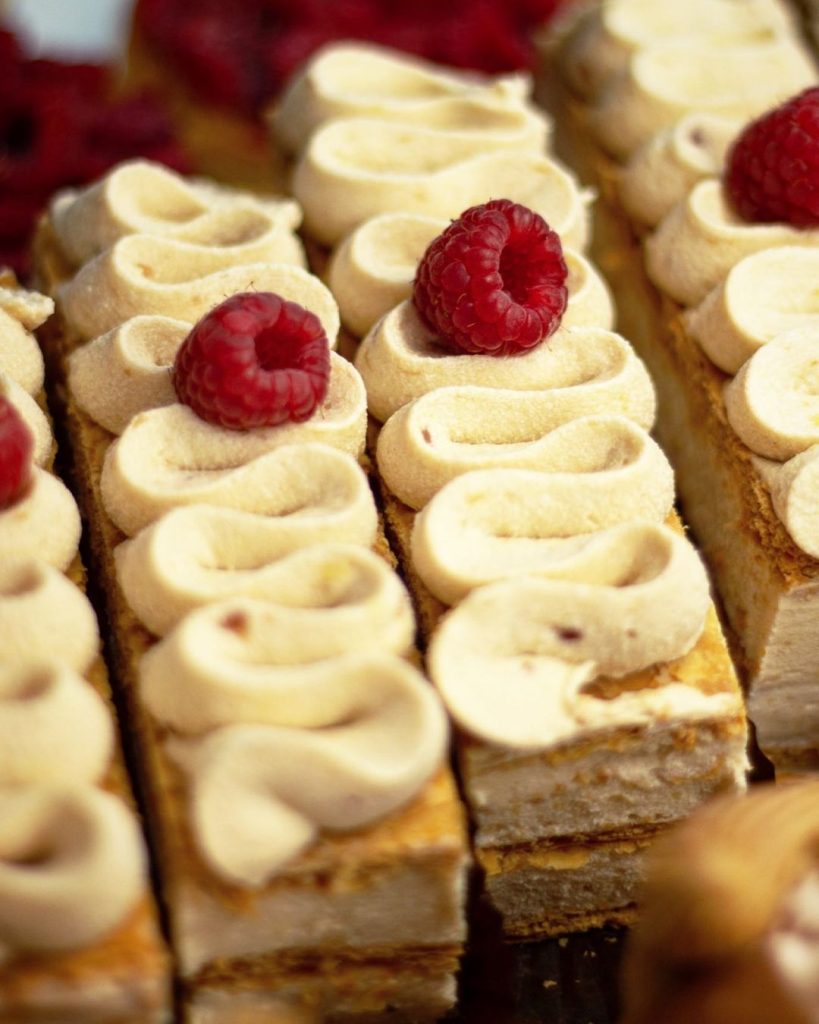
<point x="354" y="80"/>
<point x="33" y="417"/>
<point x="356" y="169"/>
<point x="169" y="457"/>
<point x="663" y="171"/>
<point x="399" y="361"/>
<point x="88" y="867"/>
<point x="139" y="197"/>
<point x="591" y="526"/>
<point x="666" y="80"/>
<point x="43" y="524"/>
<point x="373" y="269"/>
<point x="348" y="737"/>
<point x="54" y="727"/>
<point x="20" y="356"/>
<point x="127" y="370"/>
<point x="198" y="554"/>
<point x="512" y="659"/>
<point x="44" y="617"/>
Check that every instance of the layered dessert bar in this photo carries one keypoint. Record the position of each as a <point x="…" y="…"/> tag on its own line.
<point x="310" y="841"/>
<point x="729" y="929"/>
<point x="568" y="622"/>
<point x="716" y="294"/>
<point x="79" y="934"/>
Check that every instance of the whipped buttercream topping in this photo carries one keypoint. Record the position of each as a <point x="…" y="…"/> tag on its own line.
<point x="400" y="361"/>
<point x="43" y="615"/>
<point x="666" y="80"/>
<point x="20" y="357"/>
<point x="43" y="524"/>
<point x="701" y="239"/>
<point x="355" y="169"/>
<point x="200" y="554"/>
<point x="30" y="309"/>
<point x="663" y="171"/>
<point x="322" y="735"/>
<point x="54" y="727"/>
<point x="764" y="295"/>
<point x="33" y="417"/>
<point x="356" y="79"/>
<point x="139" y="197"/>
<point x="169" y="457"/>
<point x="127" y="370"/>
<point x="592" y="526"/>
<point x="72" y="865"/>
<point x="373" y="270"/>
<point x="604" y="40"/>
<point x="794" y="490"/>
<point x="141" y="274"/>
<point x="512" y="659"/>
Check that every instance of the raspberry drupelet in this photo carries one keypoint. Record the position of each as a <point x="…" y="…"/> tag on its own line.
<point x="494" y="282"/>
<point x="255" y="360"/>
<point x="16" y="450"/>
<point x="772" y="170"/>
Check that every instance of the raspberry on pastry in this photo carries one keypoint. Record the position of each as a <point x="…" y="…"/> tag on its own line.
<point x="16" y="449"/>
<point x="772" y="170"/>
<point x="494" y="282"/>
<point x="255" y="360"/>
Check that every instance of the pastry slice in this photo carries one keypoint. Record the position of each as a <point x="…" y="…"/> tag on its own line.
<point x="523" y="493"/>
<point x="311" y="843"/>
<point x="79" y="935"/>
<point x="728" y="930"/>
<point x="721" y="310"/>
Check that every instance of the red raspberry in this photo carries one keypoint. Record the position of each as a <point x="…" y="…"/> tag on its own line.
<point x="772" y="170"/>
<point x="16" y="450"/>
<point x="494" y="282"/>
<point x="256" y="360"/>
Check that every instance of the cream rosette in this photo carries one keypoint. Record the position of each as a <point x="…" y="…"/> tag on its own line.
<point x="169" y="457"/>
<point x="356" y="79"/>
<point x="54" y="727"/>
<point x="33" y="417"/>
<point x="72" y="865"/>
<point x="310" y="729"/>
<point x="602" y="43"/>
<point x="512" y="660"/>
<point x="141" y="274"/>
<point x="373" y="270"/>
<point x="139" y="197"/>
<point x="21" y="312"/>
<point x="127" y="370"/>
<point x="44" y="524"/>
<point x="400" y="360"/>
<point x="200" y="554"/>
<point x="42" y="611"/>
<point x="764" y="295"/>
<point x="591" y="526"/>
<point x="701" y="239"/>
<point x="355" y="169"/>
<point x="663" y="171"/>
<point x="666" y="80"/>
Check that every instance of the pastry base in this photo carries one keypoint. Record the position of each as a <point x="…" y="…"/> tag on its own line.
<point x="317" y="934"/>
<point x="560" y="833"/>
<point x="768" y="587"/>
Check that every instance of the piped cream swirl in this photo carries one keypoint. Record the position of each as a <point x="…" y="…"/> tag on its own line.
<point x="140" y="197"/>
<point x="72" y="865"/>
<point x="310" y="731"/>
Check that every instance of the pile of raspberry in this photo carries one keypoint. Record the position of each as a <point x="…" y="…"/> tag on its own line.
<point x="59" y="128"/>
<point x="239" y="55"/>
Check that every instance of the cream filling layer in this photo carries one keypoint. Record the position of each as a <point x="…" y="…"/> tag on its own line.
<point x="169" y="457"/>
<point x="666" y="80"/>
<point x="355" y="169"/>
<point x="42" y="611"/>
<point x="355" y="79"/>
<point x="140" y="197"/>
<point x="71" y="866"/>
<point x="54" y="727"/>
<point x="602" y="42"/>
<point x="310" y="732"/>
<point x="373" y="270"/>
